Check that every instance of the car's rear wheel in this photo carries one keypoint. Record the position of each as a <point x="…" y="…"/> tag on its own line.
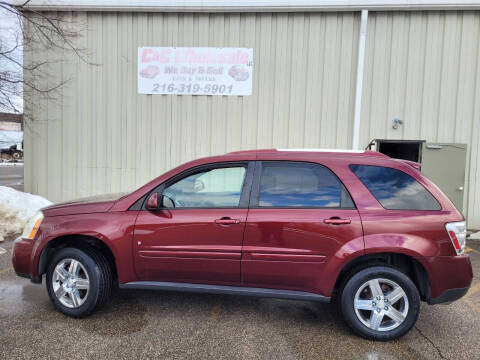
<point x="380" y="303"/>
<point x="78" y="281"/>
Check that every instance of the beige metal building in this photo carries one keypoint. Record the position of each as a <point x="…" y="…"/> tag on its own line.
<point x="319" y="81"/>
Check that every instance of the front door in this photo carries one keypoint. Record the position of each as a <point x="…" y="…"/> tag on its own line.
<point x="197" y="235"/>
<point x="300" y="216"/>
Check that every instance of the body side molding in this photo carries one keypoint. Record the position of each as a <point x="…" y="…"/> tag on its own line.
<point x="228" y="290"/>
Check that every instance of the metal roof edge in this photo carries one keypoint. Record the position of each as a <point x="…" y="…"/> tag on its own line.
<point x="245" y="5"/>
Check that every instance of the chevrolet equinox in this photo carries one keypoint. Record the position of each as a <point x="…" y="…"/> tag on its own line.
<point x="357" y="227"/>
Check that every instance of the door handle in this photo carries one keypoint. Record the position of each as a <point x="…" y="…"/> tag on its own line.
<point x="337" y="221"/>
<point x="227" y="221"/>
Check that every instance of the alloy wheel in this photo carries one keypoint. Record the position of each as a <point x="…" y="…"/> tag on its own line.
<point x="381" y="304"/>
<point x="71" y="283"/>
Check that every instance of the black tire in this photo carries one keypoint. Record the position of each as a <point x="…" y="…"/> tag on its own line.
<point x="379" y="272"/>
<point x="100" y="280"/>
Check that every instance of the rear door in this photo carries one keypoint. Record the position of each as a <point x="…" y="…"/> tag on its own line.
<point x="198" y="236"/>
<point x="300" y="215"/>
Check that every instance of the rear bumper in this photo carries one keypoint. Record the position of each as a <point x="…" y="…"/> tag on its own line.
<point x="449" y="295"/>
<point x="450" y="277"/>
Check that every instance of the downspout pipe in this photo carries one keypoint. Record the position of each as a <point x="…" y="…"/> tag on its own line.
<point x="359" y="84"/>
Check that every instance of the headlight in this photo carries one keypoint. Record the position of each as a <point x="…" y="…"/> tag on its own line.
<point x="31" y="227"/>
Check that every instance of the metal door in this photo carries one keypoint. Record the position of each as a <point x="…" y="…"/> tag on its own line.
<point x="444" y="164"/>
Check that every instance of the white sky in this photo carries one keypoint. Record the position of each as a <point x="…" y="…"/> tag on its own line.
<point x="9" y="29"/>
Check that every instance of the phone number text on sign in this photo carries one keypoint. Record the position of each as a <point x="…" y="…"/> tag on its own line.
<point x="195" y="71"/>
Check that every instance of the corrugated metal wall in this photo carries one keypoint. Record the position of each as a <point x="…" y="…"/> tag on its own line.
<point x="101" y="136"/>
<point x="424" y="68"/>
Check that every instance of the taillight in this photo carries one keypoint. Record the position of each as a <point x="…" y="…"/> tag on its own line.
<point x="457" y="231"/>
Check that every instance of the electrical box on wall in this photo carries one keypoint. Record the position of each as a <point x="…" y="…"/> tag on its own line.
<point x="401" y="149"/>
<point x="434" y="158"/>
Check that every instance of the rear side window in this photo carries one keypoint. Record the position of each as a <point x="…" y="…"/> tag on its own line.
<point x="291" y="184"/>
<point x="394" y="189"/>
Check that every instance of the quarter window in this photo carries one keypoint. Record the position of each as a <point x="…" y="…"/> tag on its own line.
<point x="285" y="184"/>
<point x="213" y="188"/>
<point x="394" y="189"/>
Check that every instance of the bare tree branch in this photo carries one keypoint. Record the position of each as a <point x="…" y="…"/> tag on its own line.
<point x="46" y="31"/>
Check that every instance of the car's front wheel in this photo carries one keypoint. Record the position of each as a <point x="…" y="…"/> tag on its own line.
<point x="380" y="303"/>
<point x="78" y="281"/>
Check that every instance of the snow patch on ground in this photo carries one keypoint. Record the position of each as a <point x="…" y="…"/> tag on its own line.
<point x="475" y="236"/>
<point x="11" y="163"/>
<point x="16" y="208"/>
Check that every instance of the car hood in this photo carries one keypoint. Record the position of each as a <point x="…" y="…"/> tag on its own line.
<point x="93" y="204"/>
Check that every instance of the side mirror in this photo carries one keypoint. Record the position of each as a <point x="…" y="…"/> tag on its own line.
<point x="156" y="201"/>
<point x="152" y="202"/>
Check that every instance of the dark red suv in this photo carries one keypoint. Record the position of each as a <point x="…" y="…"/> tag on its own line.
<point x="359" y="227"/>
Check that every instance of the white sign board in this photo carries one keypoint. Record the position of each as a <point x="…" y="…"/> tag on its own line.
<point x="195" y="71"/>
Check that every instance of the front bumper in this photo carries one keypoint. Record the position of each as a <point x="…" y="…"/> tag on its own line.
<point x="22" y="259"/>
<point x="21" y="256"/>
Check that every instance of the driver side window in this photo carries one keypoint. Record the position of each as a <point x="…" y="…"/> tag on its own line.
<point x="212" y="188"/>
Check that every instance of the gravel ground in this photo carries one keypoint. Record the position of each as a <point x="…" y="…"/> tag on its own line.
<point x="164" y="325"/>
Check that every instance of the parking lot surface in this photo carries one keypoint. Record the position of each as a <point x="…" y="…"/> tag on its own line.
<point x="168" y="325"/>
<point x="12" y="175"/>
